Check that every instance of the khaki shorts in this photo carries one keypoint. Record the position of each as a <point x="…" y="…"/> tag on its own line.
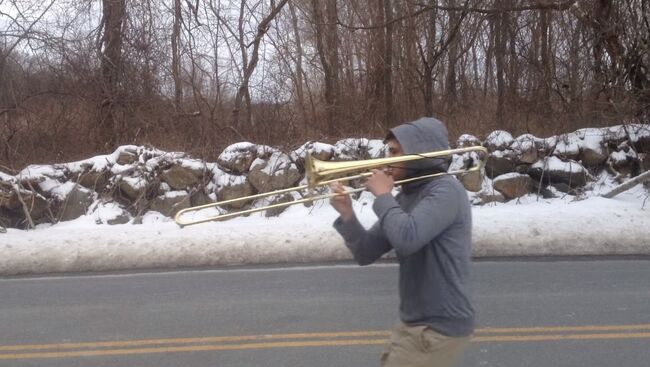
<point x="422" y="346"/>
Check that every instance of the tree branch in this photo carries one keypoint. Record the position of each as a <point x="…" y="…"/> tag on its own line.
<point x="538" y="5"/>
<point x="645" y="176"/>
<point x="24" y="205"/>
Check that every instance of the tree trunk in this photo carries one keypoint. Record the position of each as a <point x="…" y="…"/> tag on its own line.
<point x="327" y="47"/>
<point x="176" y="57"/>
<point x="243" y="93"/>
<point x="499" y="55"/>
<point x="299" y="73"/>
<point x="451" y="90"/>
<point x="388" y="64"/>
<point x="428" y="62"/>
<point x="332" y="40"/>
<point x="114" y="12"/>
<point x="545" y="74"/>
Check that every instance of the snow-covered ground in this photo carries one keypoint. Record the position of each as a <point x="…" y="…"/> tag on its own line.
<point x="530" y="225"/>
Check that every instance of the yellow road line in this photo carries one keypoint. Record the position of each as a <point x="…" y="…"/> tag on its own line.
<point x="243" y="338"/>
<point x="547" y="337"/>
<point x="491" y="330"/>
<point x="195" y="348"/>
<point x="322" y="340"/>
<point x="222" y="339"/>
<point x="216" y="339"/>
<point x="302" y="344"/>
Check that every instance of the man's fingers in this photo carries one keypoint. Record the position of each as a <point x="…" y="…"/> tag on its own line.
<point x="337" y="188"/>
<point x="387" y="171"/>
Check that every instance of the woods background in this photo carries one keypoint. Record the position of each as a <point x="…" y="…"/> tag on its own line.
<point x="80" y="77"/>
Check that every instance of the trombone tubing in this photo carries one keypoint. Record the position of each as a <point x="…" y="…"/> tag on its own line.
<point x="342" y="167"/>
<point x="314" y="183"/>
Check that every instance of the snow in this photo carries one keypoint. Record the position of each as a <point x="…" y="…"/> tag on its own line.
<point x="226" y="179"/>
<point x="102" y="213"/>
<point x="175" y="194"/>
<point x="275" y="165"/>
<point x="499" y="139"/>
<point x="265" y="150"/>
<point x="567" y="145"/>
<point x="195" y="164"/>
<point x="59" y="191"/>
<point x="621" y="156"/>
<point x="234" y="150"/>
<point x="376" y="148"/>
<point x="119" y="169"/>
<point x="508" y="176"/>
<point x="466" y="140"/>
<point x="525" y="142"/>
<point x="313" y="148"/>
<point x="39" y="171"/>
<point x="531" y="225"/>
<point x="593" y="139"/>
<point x="528" y="226"/>
<point x="97" y="164"/>
<point x="553" y="163"/>
<point x="6" y="178"/>
<point x="502" y="154"/>
<point x="635" y="131"/>
<point x="136" y="183"/>
<point x="594" y="226"/>
<point x="345" y="147"/>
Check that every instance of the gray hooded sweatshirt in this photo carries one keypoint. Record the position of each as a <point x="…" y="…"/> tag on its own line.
<point x="429" y="225"/>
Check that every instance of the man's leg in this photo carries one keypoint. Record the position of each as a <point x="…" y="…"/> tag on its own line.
<point x="416" y="346"/>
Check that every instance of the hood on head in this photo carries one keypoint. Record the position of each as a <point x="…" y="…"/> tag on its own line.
<point x="424" y="135"/>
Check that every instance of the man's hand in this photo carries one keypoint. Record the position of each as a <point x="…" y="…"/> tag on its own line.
<point x="380" y="183"/>
<point x="341" y="203"/>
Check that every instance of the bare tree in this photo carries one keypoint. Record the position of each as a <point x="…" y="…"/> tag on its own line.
<point x="388" y="64"/>
<point x="621" y="57"/>
<point x="197" y="75"/>
<point x="451" y="89"/>
<point x="434" y="49"/>
<point x="250" y="65"/>
<point x="110" y="52"/>
<point x="298" y="75"/>
<point x="176" y="57"/>
<point x="327" y="45"/>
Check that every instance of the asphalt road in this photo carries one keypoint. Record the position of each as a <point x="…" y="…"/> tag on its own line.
<point x="530" y="313"/>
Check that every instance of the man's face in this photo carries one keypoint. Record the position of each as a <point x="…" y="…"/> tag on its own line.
<point x="396" y="169"/>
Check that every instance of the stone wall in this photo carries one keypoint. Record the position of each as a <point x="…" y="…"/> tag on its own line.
<point x="134" y="180"/>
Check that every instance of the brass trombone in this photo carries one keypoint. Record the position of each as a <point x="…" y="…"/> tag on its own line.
<point x="321" y="173"/>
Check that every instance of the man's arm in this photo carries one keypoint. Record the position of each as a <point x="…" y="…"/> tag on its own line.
<point x="409" y="232"/>
<point x="365" y="246"/>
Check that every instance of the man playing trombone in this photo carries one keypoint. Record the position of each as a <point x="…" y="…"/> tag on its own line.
<point x="429" y="225"/>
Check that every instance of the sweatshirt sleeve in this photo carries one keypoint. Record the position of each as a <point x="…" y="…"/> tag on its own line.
<point x="409" y="232"/>
<point x="365" y="245"/>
